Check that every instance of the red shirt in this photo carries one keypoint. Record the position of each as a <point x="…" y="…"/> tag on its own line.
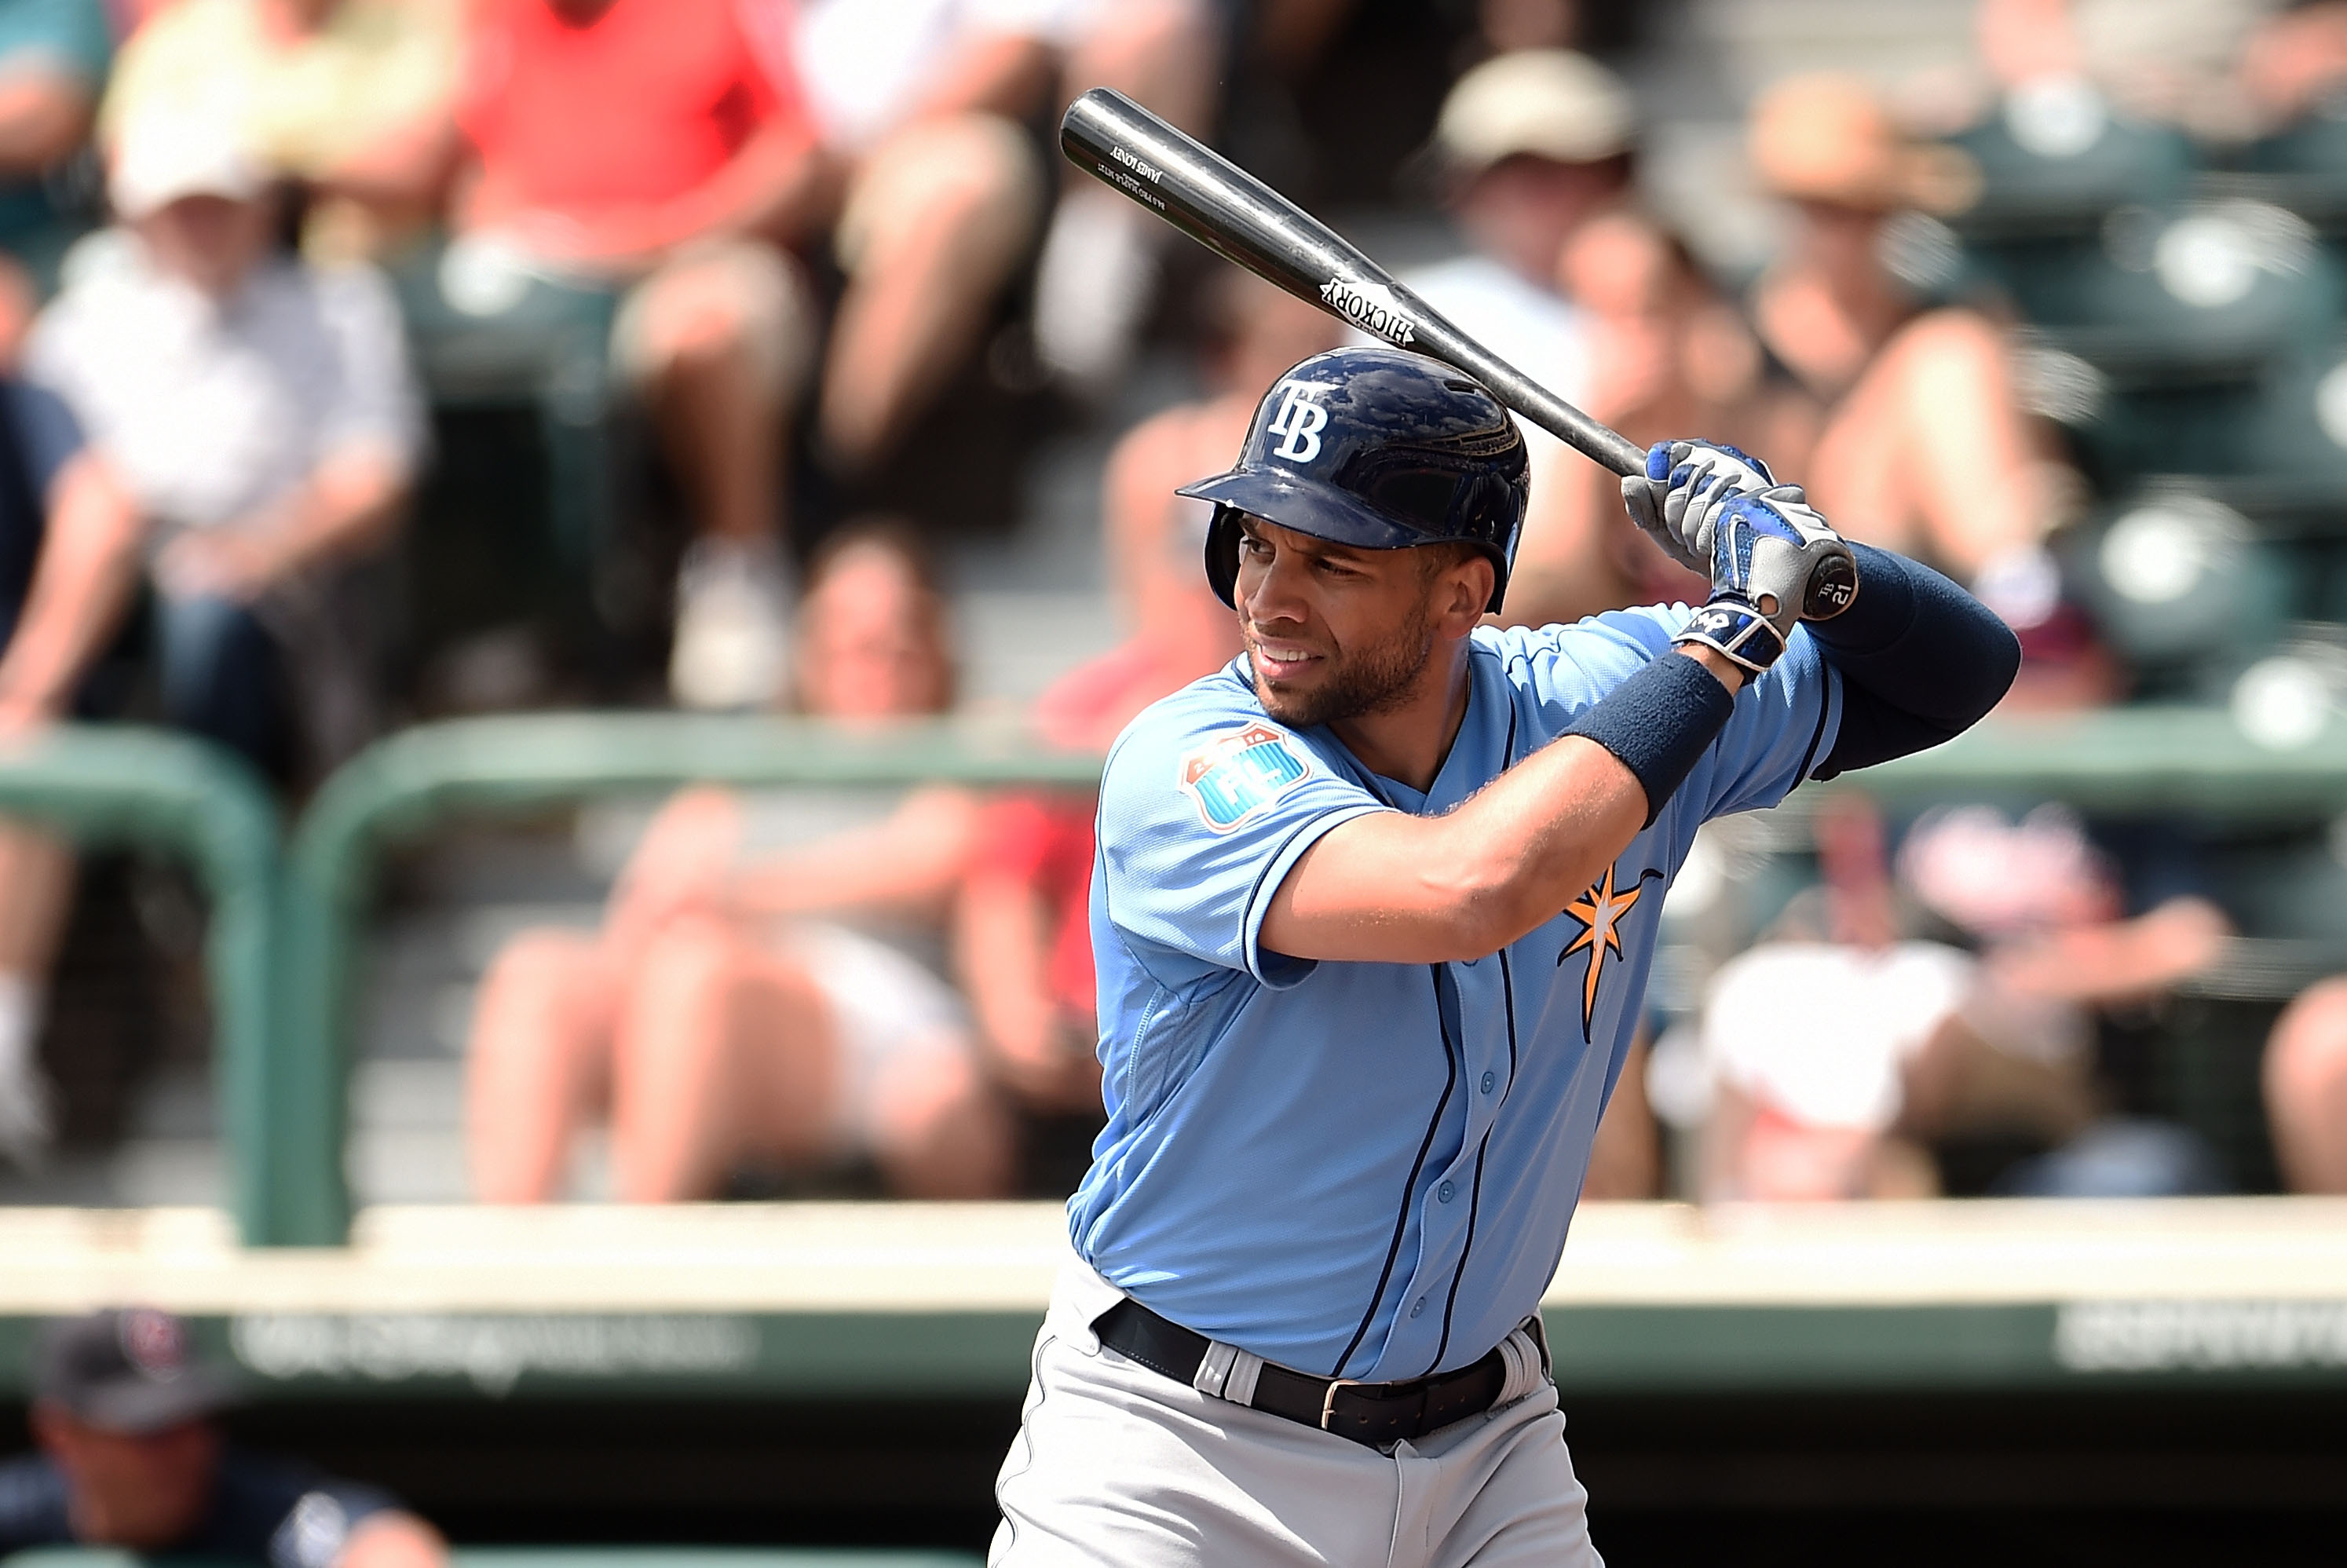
<point x="1045" y="841"/>
<point x="639" y="106"/>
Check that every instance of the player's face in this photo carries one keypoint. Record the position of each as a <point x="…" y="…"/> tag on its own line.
<point x="1333" y="632"/>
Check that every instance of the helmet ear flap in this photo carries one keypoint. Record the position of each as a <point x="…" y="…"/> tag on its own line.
<point x="1223" y="554"/>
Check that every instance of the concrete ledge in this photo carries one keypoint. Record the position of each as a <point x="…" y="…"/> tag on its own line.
<point x="814" y="1299"/>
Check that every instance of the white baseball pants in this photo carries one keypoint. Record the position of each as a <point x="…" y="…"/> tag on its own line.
<point x="1116" y="1466"/>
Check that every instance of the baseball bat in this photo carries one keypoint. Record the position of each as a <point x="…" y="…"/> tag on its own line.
<point x="1241" y="219"/>
<point x="1238" y="216"/>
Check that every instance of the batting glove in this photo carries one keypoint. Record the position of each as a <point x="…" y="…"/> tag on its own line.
<point x="1774" y="563"/>
<point x="1675" y="499"/>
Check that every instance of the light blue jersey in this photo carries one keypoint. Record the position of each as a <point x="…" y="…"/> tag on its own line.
<point x="1367" y="1169"/>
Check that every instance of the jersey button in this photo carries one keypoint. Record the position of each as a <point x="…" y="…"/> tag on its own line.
<point x="1491" y="1080"/>
<point x="1418" y="1307"/>
<point x="1446" y="1192"/>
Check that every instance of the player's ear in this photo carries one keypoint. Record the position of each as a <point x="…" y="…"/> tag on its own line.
<point x="1465" y="590"/>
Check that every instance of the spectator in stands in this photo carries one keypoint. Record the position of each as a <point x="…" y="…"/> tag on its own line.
<point x="1922" y="1041"/>
<point x="251" y="414"/>
<point x="921" y="103"/>
<point x="68" y="561"/>
<point x="2295" y="61"/>
<point x="131" y="1459"/>
<point x="1666" y="353"/>
<point x="2305" y="1074"/>
<point x="636" y="150"/>
<point x="722" y="1022"/>
<point x="1528" y="147"/>
<point x="344" y="96"/>
<point x="261" y="412"/>
<point x="52" y="62"/>
<point x="1924" y="445"/>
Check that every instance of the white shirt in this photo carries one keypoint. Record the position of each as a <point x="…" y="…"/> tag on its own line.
<point x="1541" y="333"/>
<point x="1822" y="1034"/>
<point x="211" y="412"/>
<point x="865" y="64"/>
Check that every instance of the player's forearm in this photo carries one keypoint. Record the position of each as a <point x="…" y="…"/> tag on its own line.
<point x="1396" y="888"/>
<point x="1547" y="828"/>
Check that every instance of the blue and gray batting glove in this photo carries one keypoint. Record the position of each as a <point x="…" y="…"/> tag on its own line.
<point x="1774" y="563"/>
<point x="1675" y="499"/>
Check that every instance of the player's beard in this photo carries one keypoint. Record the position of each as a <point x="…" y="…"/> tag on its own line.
<point x="1368" y="680"/>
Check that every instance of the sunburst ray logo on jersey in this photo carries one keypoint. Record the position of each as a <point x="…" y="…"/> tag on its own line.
<point x="1600" y="911"/>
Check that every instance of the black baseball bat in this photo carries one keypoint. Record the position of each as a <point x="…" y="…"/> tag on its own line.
<point x="1237" y="216"/>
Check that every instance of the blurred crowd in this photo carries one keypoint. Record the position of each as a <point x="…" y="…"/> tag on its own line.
<point x="2060" y="320"/>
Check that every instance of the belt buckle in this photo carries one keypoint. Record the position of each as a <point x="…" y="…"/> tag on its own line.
<point x="1328" y="1400"/>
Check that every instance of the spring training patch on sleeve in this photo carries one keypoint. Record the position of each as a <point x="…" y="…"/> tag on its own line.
<point x="1238" y="774"/>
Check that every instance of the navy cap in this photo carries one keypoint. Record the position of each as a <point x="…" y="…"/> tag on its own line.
<point x="126" y="1369"/>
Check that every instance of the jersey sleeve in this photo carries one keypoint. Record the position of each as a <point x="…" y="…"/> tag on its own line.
<point x="1783" y="727"/>
<point x="1204" y="809"/>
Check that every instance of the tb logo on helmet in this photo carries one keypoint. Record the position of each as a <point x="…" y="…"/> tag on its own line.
<point x="1299" y="420"/>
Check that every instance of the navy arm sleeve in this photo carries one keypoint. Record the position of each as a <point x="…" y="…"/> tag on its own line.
<point x="1920" y="662"/>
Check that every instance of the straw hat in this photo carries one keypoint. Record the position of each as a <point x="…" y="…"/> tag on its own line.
<point x="1829" y="139"/>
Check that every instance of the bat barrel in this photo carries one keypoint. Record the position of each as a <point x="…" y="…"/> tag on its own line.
<point x="1235" y="215"/>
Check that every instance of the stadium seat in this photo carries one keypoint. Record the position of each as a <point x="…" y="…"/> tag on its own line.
<point x="2202" y="291"/>
<point x="2305" y="166"/>
<point x="2053" y="163"/>
<point x="2183" y="589"/>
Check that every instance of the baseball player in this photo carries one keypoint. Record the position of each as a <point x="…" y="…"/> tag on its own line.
<point x="1372" y="909"/>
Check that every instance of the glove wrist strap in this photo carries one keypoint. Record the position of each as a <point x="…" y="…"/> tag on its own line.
<point x="1734" y="627"/>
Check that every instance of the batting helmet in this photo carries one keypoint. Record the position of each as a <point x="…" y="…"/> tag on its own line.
<point x="1376" y="448"/>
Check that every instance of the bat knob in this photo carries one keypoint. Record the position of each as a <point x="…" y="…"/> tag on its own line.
<point x="1833" y="587"/>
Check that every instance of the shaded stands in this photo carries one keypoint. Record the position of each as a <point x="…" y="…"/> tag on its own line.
<point x="522" y="509"/>
<point x="2182" y="311"/>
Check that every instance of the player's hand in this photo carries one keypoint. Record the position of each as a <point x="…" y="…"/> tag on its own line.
<point x="1675" y="501"/>
<point x="1775" y="562"/>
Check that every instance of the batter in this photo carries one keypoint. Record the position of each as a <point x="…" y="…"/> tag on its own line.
<point x="1372" y="912"/>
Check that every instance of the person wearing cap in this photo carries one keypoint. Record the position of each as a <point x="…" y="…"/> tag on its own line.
<point x="250" y="421"/>
<point x="1528" y="147"/>
<point x="260" y="411"/>
<point x="132" y="1458"/>
<point x="1924" y="442"/>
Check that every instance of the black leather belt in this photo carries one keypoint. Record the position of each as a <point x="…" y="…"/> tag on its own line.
<point x="1370" y="1413"/>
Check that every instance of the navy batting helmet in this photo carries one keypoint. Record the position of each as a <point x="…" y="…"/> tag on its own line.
<point x="1376" y="448"/>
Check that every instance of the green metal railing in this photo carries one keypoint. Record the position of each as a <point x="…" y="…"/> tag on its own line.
<point x="401" y="788"/>
<point x="2122" y="760"/>
<point x="284" y="938"/>
<point x="115" y="785"/>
